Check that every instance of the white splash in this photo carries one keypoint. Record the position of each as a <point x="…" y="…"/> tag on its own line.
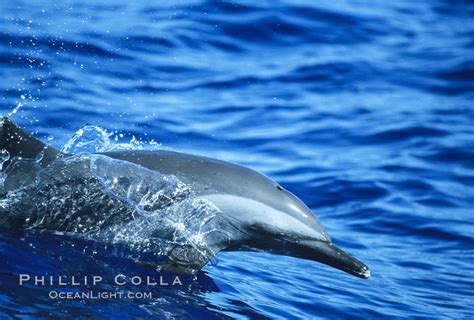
<point x="91" y="138"/>
<point x="107" y="200"/>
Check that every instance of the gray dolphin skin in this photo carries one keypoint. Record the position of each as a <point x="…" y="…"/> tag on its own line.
<point x="269" y="218"/>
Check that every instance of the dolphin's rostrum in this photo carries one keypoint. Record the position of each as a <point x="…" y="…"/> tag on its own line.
<point x="245" y="210"/>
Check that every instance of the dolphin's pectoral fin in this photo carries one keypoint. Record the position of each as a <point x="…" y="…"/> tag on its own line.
<point x="182" y="260"/>
<point x="177" y="269"/>
<point x="168" y="267"/>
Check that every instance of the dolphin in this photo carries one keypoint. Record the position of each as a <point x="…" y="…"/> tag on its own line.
<point x="256" y="213"/>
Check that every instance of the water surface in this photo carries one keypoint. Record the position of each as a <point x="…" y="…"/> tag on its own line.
<point x="364" y="110"/>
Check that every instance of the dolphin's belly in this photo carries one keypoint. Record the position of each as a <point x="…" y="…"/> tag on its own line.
<point x="250" y="213"/>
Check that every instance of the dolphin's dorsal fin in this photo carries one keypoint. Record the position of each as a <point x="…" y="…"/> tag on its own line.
<point x="19" y="143"/>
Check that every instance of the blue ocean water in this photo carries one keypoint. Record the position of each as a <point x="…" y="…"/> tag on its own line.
<point x="363" y="109"/>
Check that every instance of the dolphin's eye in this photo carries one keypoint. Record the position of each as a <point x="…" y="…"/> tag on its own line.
<point x="279" y="187"/>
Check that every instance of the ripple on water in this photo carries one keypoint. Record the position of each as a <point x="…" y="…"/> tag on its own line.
<point x="364" y="111"/>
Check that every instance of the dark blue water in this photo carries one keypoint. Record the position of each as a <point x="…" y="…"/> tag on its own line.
<point x="363" y="109"/>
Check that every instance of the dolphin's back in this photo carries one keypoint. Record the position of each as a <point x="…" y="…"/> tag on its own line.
<point x="205" y="175"/>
